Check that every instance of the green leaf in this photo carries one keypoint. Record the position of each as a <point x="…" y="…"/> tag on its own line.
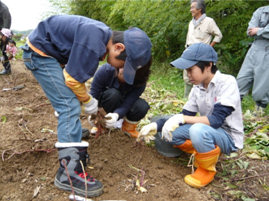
<point x="3" y="119"/>
<point x="254" y="156"/>
<point x="247" y="198"/>
<point x="231" y="186"/>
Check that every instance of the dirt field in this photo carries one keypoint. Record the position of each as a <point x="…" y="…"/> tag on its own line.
<point x="29" y="160"/>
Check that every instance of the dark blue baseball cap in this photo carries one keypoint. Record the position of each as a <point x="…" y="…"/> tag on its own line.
<point x="195" y="53"/>
<point x="138" y="50"/>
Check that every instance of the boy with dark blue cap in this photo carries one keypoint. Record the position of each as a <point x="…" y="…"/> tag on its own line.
<point x="121" y="100"/>
<point x="218" y="128"/>
<point x="78" y="43"/>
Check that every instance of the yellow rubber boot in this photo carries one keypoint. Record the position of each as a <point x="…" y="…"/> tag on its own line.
<point x="206" y="170"/>
<point x="129" y="128"/>
<point x="186" y="147"/>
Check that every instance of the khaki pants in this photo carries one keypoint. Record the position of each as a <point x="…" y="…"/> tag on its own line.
<point x="188" y="84"/>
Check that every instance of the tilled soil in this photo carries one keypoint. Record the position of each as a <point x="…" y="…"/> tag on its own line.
<point x="29" y="160"/>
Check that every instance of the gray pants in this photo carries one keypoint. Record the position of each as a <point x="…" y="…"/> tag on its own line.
<point x="188" y="84"/>
<point x="255" y="73"/>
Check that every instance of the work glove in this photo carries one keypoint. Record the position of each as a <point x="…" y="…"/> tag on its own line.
<point x="170" y="125"/>
<point x="56" y="114"/>
<point x="94" y="129"/>
<point x="147" y="132"/>
<point x="2" y="59"/>
<point x="91" y="106"/>
<point x="111" y="120"/>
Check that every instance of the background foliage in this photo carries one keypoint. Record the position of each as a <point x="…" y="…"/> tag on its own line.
<point x="166" y="23"/>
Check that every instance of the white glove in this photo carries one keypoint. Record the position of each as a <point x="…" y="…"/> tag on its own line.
<point x="2" y="59"/>
<point x="94" y="129"/>
<point x="111" y="119"/>
<point x="56" y="114"/>
<point x="150" y="129"/>
<point x="91" y="106"/>
<point x="147" y="132"/>
<point x="170" y="125"/>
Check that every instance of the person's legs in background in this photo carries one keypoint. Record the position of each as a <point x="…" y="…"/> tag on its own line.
<point x="7" y="66"/>
<point x="260" y="91"/>
<point x="188" y="85"/>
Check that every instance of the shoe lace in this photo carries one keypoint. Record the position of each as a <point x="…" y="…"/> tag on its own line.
<point x="86" y="175"/>
<point x="83" y="174"/>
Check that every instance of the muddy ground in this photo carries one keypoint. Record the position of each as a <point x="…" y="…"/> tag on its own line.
<point x="29" y="160"/>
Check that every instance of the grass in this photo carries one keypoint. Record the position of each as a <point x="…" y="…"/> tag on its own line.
<point x="19" y="50"/>
<point x="167" y="77"/>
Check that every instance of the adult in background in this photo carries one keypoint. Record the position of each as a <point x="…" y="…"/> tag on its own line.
<point x="254" y="71"/>
<point x="78" y="43"/>
<point x="5" y="17"/>
<point x="202" y="29"/>
<point x="5" y="36"/>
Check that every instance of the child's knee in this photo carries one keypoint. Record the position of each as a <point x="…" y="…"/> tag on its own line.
<point x="75" y="107"/>
<point x="181" y="134"/>
<point x="198" y="133"/>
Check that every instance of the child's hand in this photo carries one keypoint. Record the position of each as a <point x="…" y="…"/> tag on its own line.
<point x="147" y="132"/>
<point x="91" y="106"/>
<point x="111" y="119"/>
<point x="170" y="125"/>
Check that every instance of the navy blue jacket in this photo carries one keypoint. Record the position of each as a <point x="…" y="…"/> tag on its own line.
<point x="77" y="41"/>
<point x="105" y="78"/>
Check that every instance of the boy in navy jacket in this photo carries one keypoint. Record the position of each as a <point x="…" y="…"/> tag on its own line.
<point x="78" y="43"/>
<point x="120" y="99"/>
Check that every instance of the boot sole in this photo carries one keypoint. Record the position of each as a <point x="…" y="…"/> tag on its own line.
<point x="78" y="191"/>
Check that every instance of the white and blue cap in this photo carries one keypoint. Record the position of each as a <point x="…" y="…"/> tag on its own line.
<point x="195" y="53"/>
<point x="138" y="50"/>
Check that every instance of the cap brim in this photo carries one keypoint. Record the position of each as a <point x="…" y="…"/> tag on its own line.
<point x="183" y="63"/>
<point x="128" y="72"/>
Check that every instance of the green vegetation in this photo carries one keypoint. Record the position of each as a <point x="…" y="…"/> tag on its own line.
<point x="166" y="23"/>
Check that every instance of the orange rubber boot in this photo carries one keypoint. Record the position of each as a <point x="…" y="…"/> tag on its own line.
<point x="186" y="147"/>
<point x="129" y="128"/>
<point x="206" y="170"/>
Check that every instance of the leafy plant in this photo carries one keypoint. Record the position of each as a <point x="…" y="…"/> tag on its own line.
<point x="3" y="119"/>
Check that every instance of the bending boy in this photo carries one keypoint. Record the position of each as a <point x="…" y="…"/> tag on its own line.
<point x="78" y="43"/>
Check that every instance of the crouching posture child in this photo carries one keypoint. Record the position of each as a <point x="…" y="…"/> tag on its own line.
<point x="218" y="128"/>
<point x="119" y="97"/>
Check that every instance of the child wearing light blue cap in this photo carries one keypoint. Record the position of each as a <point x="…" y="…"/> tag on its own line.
<point x="219" y="126"/>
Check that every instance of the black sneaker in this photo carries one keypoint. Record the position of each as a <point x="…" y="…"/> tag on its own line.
<point x="70" y="160"/>
<point x="85" y="133"/>
<point x="5" y="72"/>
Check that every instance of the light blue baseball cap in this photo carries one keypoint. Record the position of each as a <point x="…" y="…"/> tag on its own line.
<point x="195" y="53"/>
<point x="138" y="50"/>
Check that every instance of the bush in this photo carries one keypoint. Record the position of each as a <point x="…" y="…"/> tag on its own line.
<point x="166" y="23"/>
